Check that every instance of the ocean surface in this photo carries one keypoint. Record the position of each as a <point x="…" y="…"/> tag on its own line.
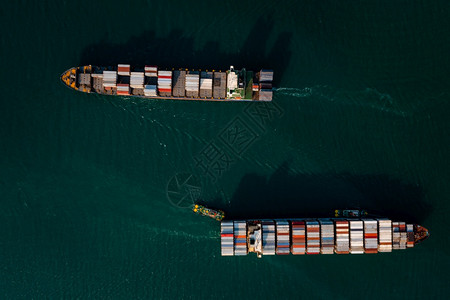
<point x="94" y="190"/>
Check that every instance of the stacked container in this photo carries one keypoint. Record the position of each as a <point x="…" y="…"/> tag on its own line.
<point x="151" y="71"/>
<point x="165" y="83"/>
<point x="370" y="236"/>
<point x="403" y="238"/>
<point x="266" y="76"/>
<point x="123" y="89"/>
<point x="137" y="80"/>
<point x="268" y="239"/>
<point x="206" y="85"/>
<point x="109" y="79"/>
<point x="298" y="245"/>
<point x="192" y="84"/>
<point x="226" y="238"/>
<point x="123" y="70"/>
<point x="327" y="236"/>
<point x="385" y="235"/>
<point x="265" y="85"/>
<point x="395" y="235"/>
<point x="179" y="83"/>
<point x="356" y="237"/>
<point x="220" y="85"/>
<point x="265" y="95"/>
<point x="240" y="238"/>
<point x="150" y="90"/>
<point x="342" y="237"/>
<point x="312" y="237"/>
<point x="282" y="227"/>
<point x="410" y="236"/>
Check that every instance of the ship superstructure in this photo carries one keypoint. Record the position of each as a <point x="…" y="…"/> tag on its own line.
<point x="181" y="84"/>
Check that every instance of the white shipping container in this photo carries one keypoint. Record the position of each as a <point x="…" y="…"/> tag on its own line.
<point x="356" y="237"/>
<point x="385" y="235"/>
<point x="165" y="73"/>
<point x="227" y="242"/>
<point x="206" y="84"/>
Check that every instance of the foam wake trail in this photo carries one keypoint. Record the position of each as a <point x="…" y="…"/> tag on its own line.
<point x="294" y="92"/>
<point x="367" y="98"/>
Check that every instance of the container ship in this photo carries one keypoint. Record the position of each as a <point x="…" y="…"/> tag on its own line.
<point x="182" y="84"/>
<point x="317" y="236"/>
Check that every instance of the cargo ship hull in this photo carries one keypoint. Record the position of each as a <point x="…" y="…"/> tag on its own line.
<point x="150" y="82"/>
<point x="317" y="236"/>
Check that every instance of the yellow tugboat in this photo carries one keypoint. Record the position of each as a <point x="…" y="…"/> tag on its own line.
<point x="217" y="215"/>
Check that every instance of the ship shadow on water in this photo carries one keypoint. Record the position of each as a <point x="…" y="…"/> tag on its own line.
<point x="178" y="50"/>
<point x="284" y="195"/>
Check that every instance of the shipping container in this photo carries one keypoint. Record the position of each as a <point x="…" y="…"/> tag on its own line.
<point x="384" y="235"/>
<point x="326" y="236"/>
<point x="410" y="236"/>
<point x="179" y="83"/>
<point x="123" y="89"/>
<point x="312" y="237"/>
<point x="219" y="85"/>
<point x="298" y="237"/>
<point x="342" y="237"/>
<point x="137" y="80"/>
<point x="395" y="235"/>
<point x="227" y="238"/>
<point x="206" y="81"/>
<point x="151" y="71"/>
<point x="150" y="90"/>
<point x="165" y="74"/>
<point x="240" y="238"/>
<point x="370" y="236"/>
<point x="266" y="76"/>
<point x="192" y="84"/>
<point x="265" y="95"/>
<point x="403" y="238"/>
<point x="268" y="237"/>
<point x="165" y="83"/>
<point x="123" y="70"/>
<point x="109" y="78"/>
<point x="283" y="237"/>
<point x="356" y="237"/>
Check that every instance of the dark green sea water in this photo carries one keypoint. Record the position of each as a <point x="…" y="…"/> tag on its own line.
<point x="361" y="119"/>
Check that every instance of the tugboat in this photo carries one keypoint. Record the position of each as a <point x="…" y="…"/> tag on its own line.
<point x="217" y="215"/>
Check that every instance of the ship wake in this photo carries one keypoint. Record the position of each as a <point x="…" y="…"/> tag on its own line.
<point x="369" y="98"/>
